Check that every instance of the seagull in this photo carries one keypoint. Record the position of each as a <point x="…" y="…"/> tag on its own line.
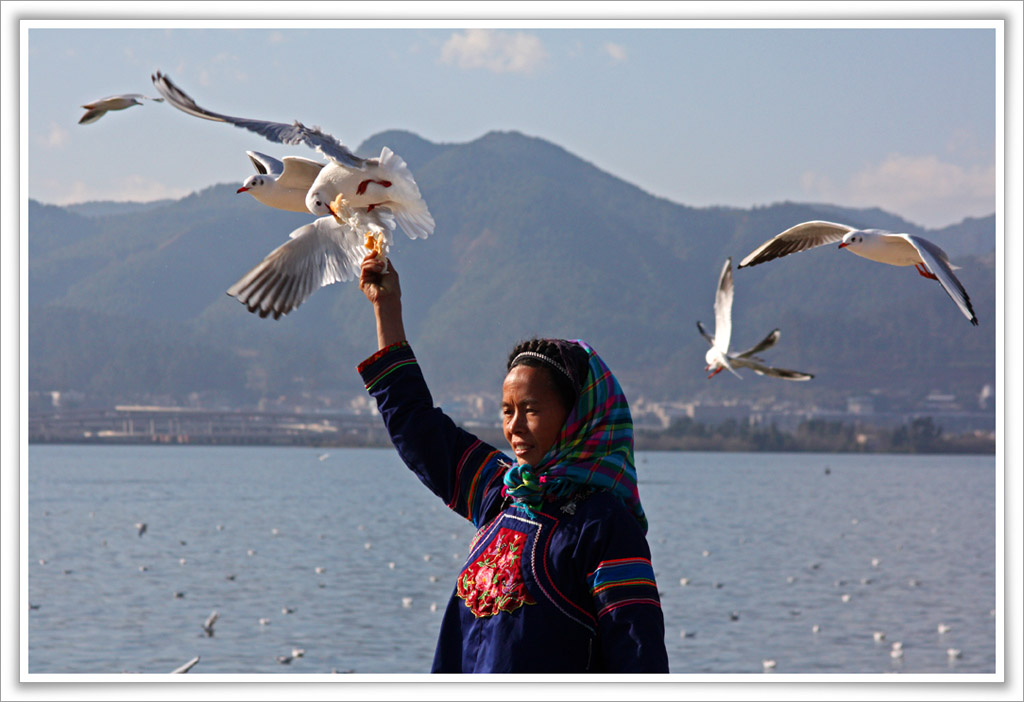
<point x="210" y="621"/>
<point x="281" y="184"/>
<point x="943" y="628"/>
<point x="366" y="183"/>
<point x="328" y="250"/>
<point x="98" y="108"/>
<point x="718" y="357"/>
<point x="872" y="244"/>
<point x="141" y="526"/>
<point x="186" y="667"/>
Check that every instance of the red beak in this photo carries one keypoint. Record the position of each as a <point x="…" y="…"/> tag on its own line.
<point x="843" y="245"/>
<point x="241" y="190"/>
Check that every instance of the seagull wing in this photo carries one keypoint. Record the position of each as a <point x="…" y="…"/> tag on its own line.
<point x="92" y="115"/>
<point x="296" y="133"/>
<point x="762" y="369"/>
<point x="266" y="165"/>
<point x="210" y="620"/>
<point x="723" y="309"/>
<point x="186" y="667"/>
<point x="938" y="263"/>
<point x="316" y="254"/>
<point x="299" y="172"/>
<point x="704" y="332"/>
<point x="807" y="235"/>
<point x="765" y="343"/>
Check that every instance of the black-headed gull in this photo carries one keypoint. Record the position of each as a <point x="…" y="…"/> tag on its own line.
<point x="367" y="183"/>
<point x="325" y="251"/>
<point x="281" y="184"/>
<point x="872" y="244"/>
<point x="718" y="356"/>
<point x="98" y="108"/>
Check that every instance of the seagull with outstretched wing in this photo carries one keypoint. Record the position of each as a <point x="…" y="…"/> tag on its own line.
<point x="873" y="244"/>
<point x="718" y="357"/>
<point x="98" y="108"/>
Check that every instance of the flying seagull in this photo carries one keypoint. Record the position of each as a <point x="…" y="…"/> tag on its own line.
<point x="718" y="357"/>
<point x="281" y="184"/>
<point x="873" y="244"/>
<point x="210" y="621"/>
<point x="98" y="108"/>
<point x="365" y="183"/>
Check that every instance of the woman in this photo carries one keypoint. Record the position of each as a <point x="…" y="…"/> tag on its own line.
<point x="559" y="576"/>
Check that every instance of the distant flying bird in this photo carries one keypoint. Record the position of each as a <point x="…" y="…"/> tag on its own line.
<point x="98" y="108"/>
<point x="141" y="526"/>
<point x="281" y="184"/>
<point x="186" y="667"/>
<point x="362" y="183"/>
<point x="325" y="251"/>
<point x="718" y="357"/>
<point x="872" y="244"/>
<point x="210" y="621"/>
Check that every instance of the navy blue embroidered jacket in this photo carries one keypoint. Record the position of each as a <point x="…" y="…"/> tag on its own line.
<point x="570" y="590"/>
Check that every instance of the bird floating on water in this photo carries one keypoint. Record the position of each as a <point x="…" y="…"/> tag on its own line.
<point x="718" y="357"/>
<point x="141" y="527"/>
<point x="873" y="244"/>
<point x="98" y="108"/>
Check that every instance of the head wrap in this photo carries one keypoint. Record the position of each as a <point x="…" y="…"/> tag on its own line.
<point x="594" y="448"/>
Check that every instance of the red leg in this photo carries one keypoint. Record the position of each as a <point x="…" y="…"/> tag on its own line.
<point x="717" y="371"/>
<point x="925" y="273"/>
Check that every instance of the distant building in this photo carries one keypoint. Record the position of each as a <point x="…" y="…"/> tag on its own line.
<point x="860" y="405"/>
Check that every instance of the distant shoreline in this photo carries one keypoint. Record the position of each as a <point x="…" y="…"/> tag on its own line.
<point x="643" y="443"/>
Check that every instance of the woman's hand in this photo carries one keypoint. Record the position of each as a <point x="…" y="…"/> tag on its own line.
<point x="385" y="292"/>
<point x="379" y="287"/>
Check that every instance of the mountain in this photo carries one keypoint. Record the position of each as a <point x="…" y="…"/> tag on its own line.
<point x="530" y="240"/>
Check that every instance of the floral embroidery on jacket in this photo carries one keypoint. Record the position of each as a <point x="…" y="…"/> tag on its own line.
<point x="494" y="582"/>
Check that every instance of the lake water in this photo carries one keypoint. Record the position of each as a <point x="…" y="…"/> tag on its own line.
<point x="344" y="554"/>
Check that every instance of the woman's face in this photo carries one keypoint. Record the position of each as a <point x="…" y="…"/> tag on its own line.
<point x="532" y="412"/>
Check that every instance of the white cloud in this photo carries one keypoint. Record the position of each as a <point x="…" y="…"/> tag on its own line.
<point x="55" y="138"/>
<point x="501" y="52"/>
<point x="616" y="51"/>
<point x="132" y="188"/>
<point x="922" y="189"/>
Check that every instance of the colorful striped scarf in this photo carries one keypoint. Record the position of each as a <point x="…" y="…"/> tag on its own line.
<point x="594" y="449"/>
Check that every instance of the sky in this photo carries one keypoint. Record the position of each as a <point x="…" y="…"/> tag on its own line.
<point x="727" y="115"/>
